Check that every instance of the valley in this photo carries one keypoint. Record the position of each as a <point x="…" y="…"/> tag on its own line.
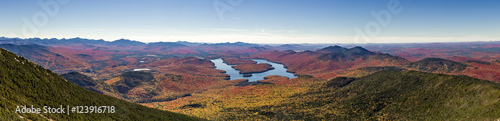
<point x="26" y="83"/>
<point x="250" y="60"/>
<point x="243" y="81"/>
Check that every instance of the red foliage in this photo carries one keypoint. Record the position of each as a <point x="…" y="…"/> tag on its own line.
<point x="253" y="68"/>
<point x="307" y="63"/>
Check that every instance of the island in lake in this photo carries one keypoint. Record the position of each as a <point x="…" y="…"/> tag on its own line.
<point x="253" y="68"/>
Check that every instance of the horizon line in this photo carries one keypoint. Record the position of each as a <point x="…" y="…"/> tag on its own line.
<point x="253" y="42"/>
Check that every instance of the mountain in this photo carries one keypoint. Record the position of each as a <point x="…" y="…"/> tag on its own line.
<point x="165" y="45"/>
<point x="339" y="53"/>
<point x="456" y="51"/>
<point x="295" y="47"/>
<point x="172" y="78"/>
<point x="384" y="95"/>
<point x="479" y="62"/>
<point x="123" y="47"/>
<point x="233" y="44"/>
<point x="53" y="41"/>
<point x="126" y="43"/>
<point x="26" y="83"/>
<point x="330" y="60"/>
<point x="130" y="80"/>
<point x="359" y="51"/>
<point x="43" y="55"/>
<point x="406" y="95"/>
<point x="364" y="71"/>
<point x="438" y="65"/>
<point x="89" y="83"/>
<point x="333" y="61"/>
<point x="333" y="49"/>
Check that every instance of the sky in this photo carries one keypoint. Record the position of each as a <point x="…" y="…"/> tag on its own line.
<point x="255" y="21"/>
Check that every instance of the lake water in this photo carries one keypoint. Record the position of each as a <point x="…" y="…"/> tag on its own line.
<point x="279" y="69"/>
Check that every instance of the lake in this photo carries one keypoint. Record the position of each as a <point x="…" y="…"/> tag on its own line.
<point x="279" y="69"/>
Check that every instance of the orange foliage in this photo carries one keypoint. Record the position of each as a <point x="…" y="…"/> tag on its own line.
<point x="253" y="68"/>
<point x="307" y="62"/>
<point x="112" y="80"/>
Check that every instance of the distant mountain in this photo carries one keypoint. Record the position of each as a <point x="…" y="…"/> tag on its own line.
<point x="333" y="49"/>
<point x="456" y="51"/>
<point x="78" y="40"/>
<point x="71" y="42"/>
<point x="187" y="43"/>
<point x="479" y="62"/>
<point x="345" y="61"/>
<point x="26" y="83"/>
<point x="359" y="51"/>
<point x="259" y="48"/>
<point x="438" y="65"/>
<point x="295" y="47"/>
<point x="289" y="45"/>
<point x="43" y="56"/>
<point x="26" y="50"/>
<point x="165" y="45"/>
<point x="126" y="43"/>
<point x="339" y="53"/>
<point x="320" y="63"/>
<point x="52" y="41"/>
<point x="233" y="44"/>
<point x="201" y="49"/>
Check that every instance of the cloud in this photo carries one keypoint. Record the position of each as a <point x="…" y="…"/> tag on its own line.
<point x="248" y="37"/>
<point x="260" y="35"/>
<point x="425" y="39"/>
<point x="228" y="29"/>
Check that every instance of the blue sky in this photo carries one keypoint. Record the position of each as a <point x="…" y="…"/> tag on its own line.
<point x="255" y="21"/>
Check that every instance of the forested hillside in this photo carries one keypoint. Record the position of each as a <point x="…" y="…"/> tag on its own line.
<point x="25" y="83"/>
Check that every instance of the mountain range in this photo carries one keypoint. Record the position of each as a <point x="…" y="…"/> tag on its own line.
<point x="26" y="83"/>
<point x="343" y="60"/>
<point x="334" y="82"/>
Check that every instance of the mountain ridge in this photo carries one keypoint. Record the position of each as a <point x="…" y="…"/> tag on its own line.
<point x="26" y="83"/>
<point x="384" y="95"/>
